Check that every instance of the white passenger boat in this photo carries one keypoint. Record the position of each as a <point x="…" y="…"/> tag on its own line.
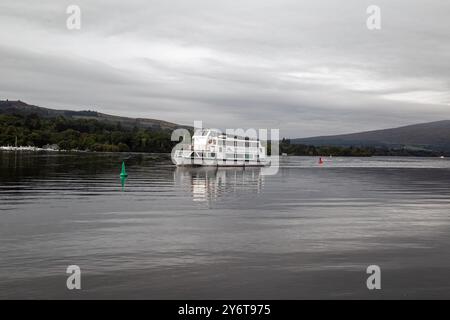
<point x="214" y="148"/>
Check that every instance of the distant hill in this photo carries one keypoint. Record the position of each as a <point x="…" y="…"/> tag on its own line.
<point x="22" y="124"/>
<point x="22" y="108"/>
<point x="433" y="136"/>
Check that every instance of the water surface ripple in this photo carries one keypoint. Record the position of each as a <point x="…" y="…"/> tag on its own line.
<point x="308" y="232"/>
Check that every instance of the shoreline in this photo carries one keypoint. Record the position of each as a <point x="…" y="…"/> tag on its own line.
<point x="38" y="149"/>
<point x="27" y="148"/>
<point x="31" y="148"/>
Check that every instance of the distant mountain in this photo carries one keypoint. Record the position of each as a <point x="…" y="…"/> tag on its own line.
<point x="425" y="136"/>
<point x="22" y="108"/>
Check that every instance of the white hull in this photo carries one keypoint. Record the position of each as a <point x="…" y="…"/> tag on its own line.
<point x="186" y="160"/>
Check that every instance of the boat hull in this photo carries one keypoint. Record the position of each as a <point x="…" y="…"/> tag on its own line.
<point x="197" y="162"/>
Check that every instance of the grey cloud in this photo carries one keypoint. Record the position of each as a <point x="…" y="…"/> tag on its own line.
<point x="306" y="67"/>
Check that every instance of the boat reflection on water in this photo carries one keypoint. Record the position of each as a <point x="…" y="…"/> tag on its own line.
<point x="210" y="183"/>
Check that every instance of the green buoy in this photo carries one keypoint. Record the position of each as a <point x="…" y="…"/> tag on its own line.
<point x="123" y="176"/>
<point x="123" y="179"/>
<point x="124" y="172"/>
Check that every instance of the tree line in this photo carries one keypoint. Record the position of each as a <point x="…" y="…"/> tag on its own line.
<point x="81" y="134"/>
<point x="95" y="135"/>
<point x="352" y="151"/>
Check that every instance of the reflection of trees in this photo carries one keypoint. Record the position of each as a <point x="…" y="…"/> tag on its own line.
<point x="209" y="183"/>
<point x="15" y="166"/>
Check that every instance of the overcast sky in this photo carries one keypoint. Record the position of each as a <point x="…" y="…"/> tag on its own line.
<point x="306" y="67"/>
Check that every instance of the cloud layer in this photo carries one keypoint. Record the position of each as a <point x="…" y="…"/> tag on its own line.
<point x="306" y="67"/>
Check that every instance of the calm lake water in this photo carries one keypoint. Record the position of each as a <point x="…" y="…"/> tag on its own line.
<point x="308" y="232"/>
